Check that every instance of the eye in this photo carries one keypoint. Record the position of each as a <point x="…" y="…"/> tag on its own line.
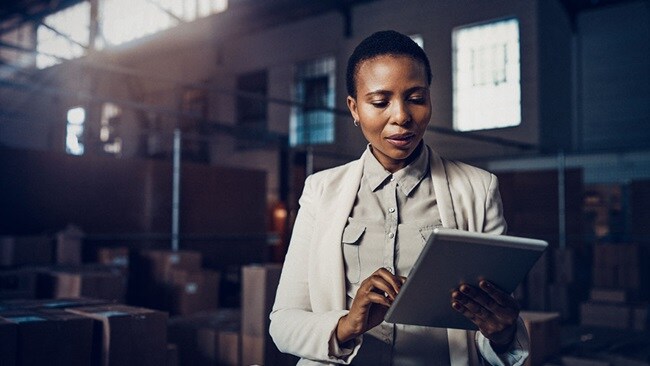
<point x="417" y="99"/>
<point x="379" y="103"/>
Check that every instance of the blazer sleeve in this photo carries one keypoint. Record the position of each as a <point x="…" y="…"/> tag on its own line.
<point x="294" y="327"/>
<point x="494" y="222"/>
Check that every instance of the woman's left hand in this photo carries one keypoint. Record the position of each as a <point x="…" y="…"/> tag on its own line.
<point x="494" y="312"/>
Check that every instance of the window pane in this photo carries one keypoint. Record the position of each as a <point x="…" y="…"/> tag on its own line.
<point x="315" y="83"/>
<point x="72" y="34"/>
<point x="486" y="73"/>
<point x="75" y="130"/>
<point x="126" y="20"/>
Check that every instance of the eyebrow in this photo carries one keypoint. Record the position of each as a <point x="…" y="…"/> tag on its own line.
<point x="388" y="92"/>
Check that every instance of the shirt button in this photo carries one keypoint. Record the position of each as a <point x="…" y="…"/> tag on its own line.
<point x="391" y="210"/>
<point x="391" y="235"/>
<point x="392" y="179"/>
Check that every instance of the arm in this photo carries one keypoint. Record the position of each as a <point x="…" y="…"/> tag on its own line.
<point x="294" y="327"/>
<point x="503" y="339"/>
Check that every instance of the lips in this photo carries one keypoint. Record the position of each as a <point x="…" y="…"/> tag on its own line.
<point x="401" y="140"/>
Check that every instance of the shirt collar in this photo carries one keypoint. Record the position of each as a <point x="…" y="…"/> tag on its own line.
<point x="407" y="178"/>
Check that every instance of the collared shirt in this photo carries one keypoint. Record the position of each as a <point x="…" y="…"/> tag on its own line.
<point x="392" y="218"/>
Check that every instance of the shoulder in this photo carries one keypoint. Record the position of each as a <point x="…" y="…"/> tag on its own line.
<point x="462" y="174"/>
<point x="463" y="169"/>
<point x="331" y="176"/>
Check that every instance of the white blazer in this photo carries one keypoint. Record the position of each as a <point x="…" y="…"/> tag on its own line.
<point x="311" y="296"/>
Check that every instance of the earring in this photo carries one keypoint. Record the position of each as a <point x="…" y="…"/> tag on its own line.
<point x="356" y="123"/>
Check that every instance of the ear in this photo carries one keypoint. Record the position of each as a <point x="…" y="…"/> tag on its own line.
<point x="352" y="106"/>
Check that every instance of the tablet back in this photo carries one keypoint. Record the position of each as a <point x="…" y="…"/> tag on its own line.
<point x="452" y="257"/>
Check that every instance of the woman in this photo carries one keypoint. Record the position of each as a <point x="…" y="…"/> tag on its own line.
<point x="361" y="226"/>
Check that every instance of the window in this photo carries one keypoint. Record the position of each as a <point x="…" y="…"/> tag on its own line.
<point x="110" y="129"/>
<point x="314" y="87"/>
<point x="126" y="20"/>
<point x="22" y="36"/>
<point x="251" y="112"/>
<point x="64" y="34"/>
<point x="75" y="131"/>
<point x="486" y="76"/>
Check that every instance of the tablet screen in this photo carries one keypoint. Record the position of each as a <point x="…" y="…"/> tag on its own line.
<point x="452" y="257"/>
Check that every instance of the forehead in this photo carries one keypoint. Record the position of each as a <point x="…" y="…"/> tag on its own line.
<point x="390" y="69"/>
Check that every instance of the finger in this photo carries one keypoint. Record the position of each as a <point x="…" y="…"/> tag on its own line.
<point x="376" y="298"/>
<point x="390" y="278"/>
<point x="472" y="306"/>
<point x="378" y="284"/>
<point x="474" y="318"/>
<point x="480" y="297"/>
<point x="500" y="297"/>
<point x="395" y="281"/>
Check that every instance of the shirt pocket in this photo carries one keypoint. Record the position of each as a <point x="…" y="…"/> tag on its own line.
<point x="351" y="239"/>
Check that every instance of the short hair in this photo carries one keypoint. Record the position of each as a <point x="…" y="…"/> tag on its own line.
<point x="388" y="42"/>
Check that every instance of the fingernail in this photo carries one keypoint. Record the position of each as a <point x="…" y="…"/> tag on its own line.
<point x="464" y="289"/>
<point x="455" y="305"/>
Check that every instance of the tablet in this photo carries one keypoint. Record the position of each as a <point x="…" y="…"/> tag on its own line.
<point x="451" y="257"/>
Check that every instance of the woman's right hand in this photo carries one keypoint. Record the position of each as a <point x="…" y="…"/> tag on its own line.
<point x="370" y="304"/>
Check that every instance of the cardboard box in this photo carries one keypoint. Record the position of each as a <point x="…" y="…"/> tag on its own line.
<point x="260" y="283"/>
<point x="172" y="355"/>
<point x="18" y="283"/>
<point x="564" y="266"/>
<point x="35" y="304"/>
<point x="118" y="256"/>
<point x="605" y="315"/>
<point x="640" y="318"/>
<point x="219" y="347"/>
<point x="153" y="275"/>
<point x="100" y="283"/>
<point x="51" y="337"/>
<point x="544" y="333"/>
<point x="25" y="250"/>
<point x="68" y="246"/>
<point x="127" y="335"/>
<point x="582" y="361"/>
<point x="621" y="266"/>
<point x="9" y="343"/>
<point x="618" y="296"/>
<point x="536" y="283"/>
<point x="564" y="299"/>
<point x="194" y="291"/>
<point x="161" y="263"/>
<point x="194" y="350"/>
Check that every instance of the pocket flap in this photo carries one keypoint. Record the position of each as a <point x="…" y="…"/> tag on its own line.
<point x="352" y="234"/>
<point x="426" y="232"/>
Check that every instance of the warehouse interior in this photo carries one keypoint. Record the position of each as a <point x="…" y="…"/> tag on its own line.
<point x="152" y="154"/>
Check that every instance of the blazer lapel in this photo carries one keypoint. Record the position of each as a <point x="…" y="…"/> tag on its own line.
<point x="441" y="188"/>
<point x="336" y="207"/>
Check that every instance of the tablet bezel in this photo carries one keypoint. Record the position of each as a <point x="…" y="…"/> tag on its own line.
<point x="455" y="256"/>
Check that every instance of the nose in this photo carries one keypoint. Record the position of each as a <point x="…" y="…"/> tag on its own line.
<point x="401" y="114"/>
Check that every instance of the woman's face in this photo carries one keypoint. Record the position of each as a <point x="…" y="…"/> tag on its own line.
<point x="392" y="106"/>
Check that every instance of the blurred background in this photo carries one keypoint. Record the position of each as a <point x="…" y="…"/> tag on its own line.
<point x="152" y="153"/>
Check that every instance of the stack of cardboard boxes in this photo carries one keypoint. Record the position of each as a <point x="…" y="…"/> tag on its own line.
<point x="208" y="338"/>
<point x="44" y="267"/>
<point x="544" y="335"/>
<point x="81" y="332"/>
<point x="234" y="337"/>
<point x="175" y="281"/>
<point x="619" y="296"/>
